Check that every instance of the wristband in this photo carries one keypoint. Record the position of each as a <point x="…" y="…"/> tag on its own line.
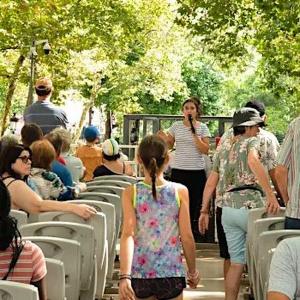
<point x="193" y="275"/>
<point x="124" y="276"/>
<point x="204" y="211"/>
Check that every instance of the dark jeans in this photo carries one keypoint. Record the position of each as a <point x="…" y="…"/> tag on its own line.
<point x="291" y="223"/>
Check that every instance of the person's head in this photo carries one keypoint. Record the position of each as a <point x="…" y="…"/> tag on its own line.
<point x="43" y="87"/>
<point x="56" y="141"/>
<point x="91" y="134"/>
<point x="8" y="140"/>
<point x="110" y="150"/>
<point x="16" y="161"/>
<point x="246" y="121"/>
<point x="43" y="154"/>
<point x="192" y="106"/>
<point x="31" y="133"/>
<point x="153" y="155"/>
<point x="259" y="106"/>
<point x="9" y="233"/>
<point x="66" y="138"/>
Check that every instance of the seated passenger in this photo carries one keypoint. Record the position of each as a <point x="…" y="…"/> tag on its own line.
<point x="112" y="164"/>
<point x="284" y="271"/>
<point x="90" y="153"/>
<point x="15" y="165"/>
<point x="20" y="261"/>
<point x="31" y="133"/>
<point x="60" y="169"/>
<point x="73" y="164"/>
<point x="46" y="183"/>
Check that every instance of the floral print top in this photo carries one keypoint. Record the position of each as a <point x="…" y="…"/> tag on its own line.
<point x="157" y="245"/>
<point x="231" y="163"/>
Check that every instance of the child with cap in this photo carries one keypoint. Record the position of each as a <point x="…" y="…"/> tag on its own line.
<point x="90" y="153"/>
<point x="112" y="163"/>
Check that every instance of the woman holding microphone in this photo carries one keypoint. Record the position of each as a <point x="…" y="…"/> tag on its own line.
<point x="192" y="142"/>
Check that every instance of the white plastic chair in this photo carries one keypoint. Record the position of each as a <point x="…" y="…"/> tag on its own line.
<point x="98" y="222"/>
<point x="20" y="216"/>
<point x="109" y="210"/>
<point x="116" y="177"/>
<point x="55" y="278"/>
<point x="119" y="183"/>
<point x="10" y="290"/>
<point x="66" y="251"/>
<point x="84" y="234"/>
<point x="116" y="190"/>
<point x="267" y="241"/>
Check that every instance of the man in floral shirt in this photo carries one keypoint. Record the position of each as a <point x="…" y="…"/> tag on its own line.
<point x="242" y="184"/>
<point x="268" y="148"/>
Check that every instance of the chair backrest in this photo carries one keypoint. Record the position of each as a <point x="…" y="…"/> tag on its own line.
<point x="106" y="197"/>
<point x="116" y="177"/>
<point x="267" y="241"/>
<point x="116" y="190"/>
<point x="82" y="233"/>
<point x="20" y="216"/>
<point x="98" y="222"/>
<point x="55" y="279"/>
<point x="10" y="290"/>
<point x="109" y="210"/>
<point x="119" y="183"/>
<point x="66" y="251"/>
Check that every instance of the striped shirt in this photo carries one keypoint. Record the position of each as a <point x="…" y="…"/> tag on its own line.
<point x="187" y="155"/>
<point x="289" y="156"/>
<point x="46" y="115"/>
<point x="30" y="267"/>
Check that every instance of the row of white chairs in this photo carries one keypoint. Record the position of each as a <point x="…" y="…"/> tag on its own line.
<point x="264" y="234"/>
<point x="105" y="197"/>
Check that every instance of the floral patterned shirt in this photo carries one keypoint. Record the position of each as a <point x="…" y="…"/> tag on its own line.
<point x="231" y="163"/>
<point x="157" y="246"/>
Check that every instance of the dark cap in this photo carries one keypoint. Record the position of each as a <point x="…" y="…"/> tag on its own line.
<point x="259" y="106"/>
<point x="91" y="133"/>
<point x="246" y="116"/>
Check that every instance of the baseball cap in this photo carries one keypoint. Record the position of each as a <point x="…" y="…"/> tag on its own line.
<point x="110" y="147"/>
<point x="246" y="116"/>
<point x="259" y="106"/>
<point x="91" y="133"/>
<point x="43" y="83"/>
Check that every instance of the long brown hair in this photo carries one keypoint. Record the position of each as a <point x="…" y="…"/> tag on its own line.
<point x="197" y="103"/>
<point x="153" y="152"/>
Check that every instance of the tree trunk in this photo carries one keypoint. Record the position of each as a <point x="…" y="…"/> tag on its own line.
<point x="87" y="107"/>
<point x="108" y="125"/>
<point x="10" y="93"/>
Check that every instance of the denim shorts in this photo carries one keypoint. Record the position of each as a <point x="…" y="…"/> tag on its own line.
<point x="161" y="288"/>
<point x="235" y="223"/>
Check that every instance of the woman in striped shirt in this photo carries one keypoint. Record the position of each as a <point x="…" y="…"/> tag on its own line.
<point x="192" y="142"/>
<point x="20" y="261"/>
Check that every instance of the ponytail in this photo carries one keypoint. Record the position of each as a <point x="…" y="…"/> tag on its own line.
<point x="153" y="170"/>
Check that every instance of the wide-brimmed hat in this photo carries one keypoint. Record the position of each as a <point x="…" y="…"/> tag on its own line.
<point x="247" y="116"/>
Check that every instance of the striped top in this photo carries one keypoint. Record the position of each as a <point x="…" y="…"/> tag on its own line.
<point x="30" y="267"/>
<point x="157" y="245"/>
<point x="289" y="156"/>
<point x="187" y="155"/>
<point x="46" y="115"/>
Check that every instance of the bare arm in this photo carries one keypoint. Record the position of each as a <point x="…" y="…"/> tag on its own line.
<point x="209" y="189"/>
<point x="202" y="144"/>
<point x="277" y="296"/>
<point x="42" y="288"/>
<point x="281" y="178"/>
<point x="262" y="177"/>
<point x="127" y="243"/>
<point x="186" y="234"/>
<point x="167" y="137"/>
<point x="26" y="199"/>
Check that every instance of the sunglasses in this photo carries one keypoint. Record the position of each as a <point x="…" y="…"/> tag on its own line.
<point x="25" y="159"/>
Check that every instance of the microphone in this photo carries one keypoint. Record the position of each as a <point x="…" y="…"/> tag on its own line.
<point x="192" y="125"/>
